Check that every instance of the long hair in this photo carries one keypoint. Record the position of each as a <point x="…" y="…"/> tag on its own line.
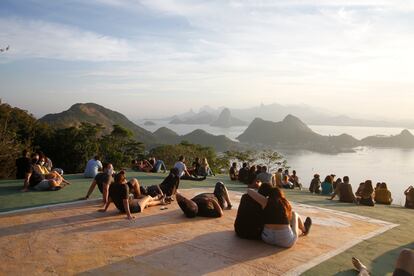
<point x="367" y="188"/>
<point x="120" y="177"/>
<point x="277" y="198"/>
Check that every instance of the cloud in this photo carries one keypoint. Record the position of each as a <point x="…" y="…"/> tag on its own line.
<point x="41" y="39"/>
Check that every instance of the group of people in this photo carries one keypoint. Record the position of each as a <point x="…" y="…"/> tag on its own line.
<point x="38" y="172"/>
<point x="366" y="194"/>
<point x="255" y="175"/>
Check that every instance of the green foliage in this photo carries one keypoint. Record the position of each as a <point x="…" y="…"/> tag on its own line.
<point x="119" y="148"/>
<point x="272" y="159"/>
<point x="170" y="153"/>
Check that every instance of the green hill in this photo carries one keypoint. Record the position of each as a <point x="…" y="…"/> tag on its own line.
<point x="97" y="114"/>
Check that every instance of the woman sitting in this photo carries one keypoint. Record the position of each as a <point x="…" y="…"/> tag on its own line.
<point x="281" y="224"/>
<point x="252" y="177"/>
<point x="327" y="186"/>
<point x="382" y="194"/>
<point x="204" y="169"/>
<point x="119" y="194"/>
<point x="409" y="197"/>
<point x="365" y="194"/>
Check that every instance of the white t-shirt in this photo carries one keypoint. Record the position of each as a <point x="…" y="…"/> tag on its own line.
<point x="92" y="168"/>
<point x="181" y="168"/>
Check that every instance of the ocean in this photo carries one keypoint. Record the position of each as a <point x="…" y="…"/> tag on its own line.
<point x="391" y="165"/>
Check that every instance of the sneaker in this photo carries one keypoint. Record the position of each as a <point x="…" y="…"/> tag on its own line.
<point x="307" y="224"/>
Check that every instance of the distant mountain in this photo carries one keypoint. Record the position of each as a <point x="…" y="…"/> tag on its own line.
<point x="149" y="123"/>
<point x="198" y="136"/>
<point x="403" y="140"/>
<point x="96" y="114"/>
<point x="293" y="133"/>
<point x="225" y="120"/>
<point x="201" y="118"/>
<point x="167" y="136"/>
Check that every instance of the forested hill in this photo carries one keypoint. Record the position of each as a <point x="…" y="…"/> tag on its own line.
<point x="97" y="114"/>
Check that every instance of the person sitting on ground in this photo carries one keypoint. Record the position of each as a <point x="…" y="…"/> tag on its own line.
<point x="52" y="182"/>
<point x="157" y="165"/>
<point x="327" y="187"/>
<point x="204" y="169"/>
<point x="102" y="180"/>
<point x="403" y="267"/>
<point x="47" y="162"/>
<point x="32" y="176"/>
<point x="333" y="181"/>
<point x="183" y="172"/>
<point x="22" y="165"/>
<point x="315" y="185"/>
<point x="286" y="173"/>
<point x="144" y="166"/>
<point x="252" y="176"/>
<point x="366" y="195"/>
<point x="286" y="184"/>
<point x="206" y="204"/>
<point x="265" y="177"/>
<point x="281" y="224"/>
<point x="344" y="191"/>
<point x="249" y="220"/>
<point x="360" y="188"/>
<point x="279" y="178"/>
<point x="233" y="172"/>
<point x="295" y="180"/>
<point x="383" y="195"/>
<point x="119" y="194"/>
<point x="409" y="197"/>
<point x="244" y="173"/>
<point x="92" y="167"/>
<point x="195" y="167"/>
<point x="337" y="182"/>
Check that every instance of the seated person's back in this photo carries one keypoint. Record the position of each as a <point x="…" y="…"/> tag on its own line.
<point x="345" y="193"/>
<point x="119" y="192"/>
<point x="383" y="195"/>
<point x="249" y="220"/>
<point x="92" y="167"/>
<point x="409" y="197"/>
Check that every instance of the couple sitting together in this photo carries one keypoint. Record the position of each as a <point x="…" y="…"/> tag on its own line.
<point x="268" y="215"/>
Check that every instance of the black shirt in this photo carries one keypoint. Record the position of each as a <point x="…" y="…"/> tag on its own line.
<point x="23" y="166"/>
<point x="101" y="179"/>
<point x="249" y="221"/>
<point x="119" y="192"/>
<point x="244" y="175"/>
<point x="205" y="205"/>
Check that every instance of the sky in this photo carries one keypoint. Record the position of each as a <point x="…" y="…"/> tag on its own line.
<point x="154" y="58"/>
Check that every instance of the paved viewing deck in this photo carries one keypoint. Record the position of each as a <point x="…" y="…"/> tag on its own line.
<point x="72" y="237"/>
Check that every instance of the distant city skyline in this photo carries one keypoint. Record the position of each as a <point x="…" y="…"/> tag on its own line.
<point x="156" y="58"/>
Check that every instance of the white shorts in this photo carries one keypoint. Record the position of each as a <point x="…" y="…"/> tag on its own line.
<point x="279" y="237"/>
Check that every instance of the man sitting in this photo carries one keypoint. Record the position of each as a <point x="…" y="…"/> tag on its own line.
<point x="250" y="221"/>
<point x="244" y="174"/>
<point x="92" y="167"/>
<point x="344" y="191"/>
<point x="183" y="172"/>
<point x="205" y="204"/>
<point x="102" y="180"/>
<point x="266" y="177"/>
<point x="22" y="165"/>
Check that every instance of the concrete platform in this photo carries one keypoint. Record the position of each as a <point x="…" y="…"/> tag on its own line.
<point x="76" y="239"/>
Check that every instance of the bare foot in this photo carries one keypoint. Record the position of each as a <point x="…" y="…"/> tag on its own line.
<point x="358" y="265"/>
